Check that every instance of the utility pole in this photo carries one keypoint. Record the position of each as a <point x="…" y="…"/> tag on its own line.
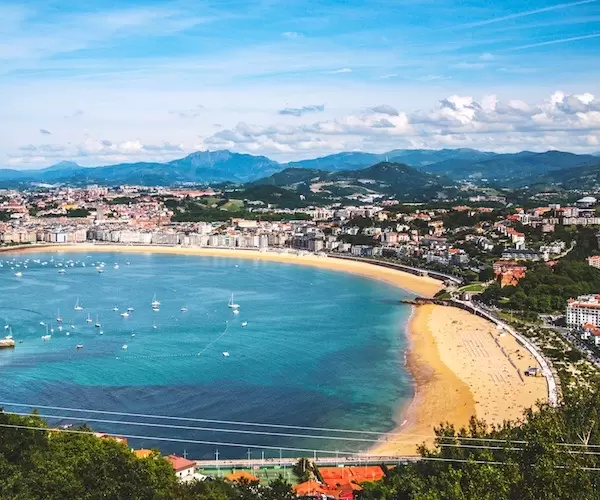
<point x="217" y="460"/>
<point x="184" y="453"/>
<point x="263" y="457"/>
<point x="249" y="453"/>
<point x="279" y="457"/>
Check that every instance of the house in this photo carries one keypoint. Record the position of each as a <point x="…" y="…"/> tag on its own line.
<point x="184" y="468"/>
<point x="508" y="272"/>
<point x="594" y="261"/>
<point x="142" y="453"/>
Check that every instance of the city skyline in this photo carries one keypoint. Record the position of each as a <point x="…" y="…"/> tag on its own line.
<point x="154" y="81"/>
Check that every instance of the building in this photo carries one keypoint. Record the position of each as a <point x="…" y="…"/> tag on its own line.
<point x="508" y="272"/>
<point x="184" y="468"/>
<point x="594" y="261"/>
<point x="585" y="309"/>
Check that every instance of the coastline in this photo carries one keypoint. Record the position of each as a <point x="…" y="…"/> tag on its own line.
<point x="457" y="360"/>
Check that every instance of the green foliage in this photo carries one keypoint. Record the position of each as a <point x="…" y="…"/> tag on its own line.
<point x="78" y="212"/>
<point x="545" y="289"/>
<point x="531" y="459"/>
<point x="302" y="469"/>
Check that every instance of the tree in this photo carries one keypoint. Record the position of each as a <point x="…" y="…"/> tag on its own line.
<point x="302" y="469"/>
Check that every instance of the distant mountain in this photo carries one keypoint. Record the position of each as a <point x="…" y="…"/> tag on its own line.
<point x="291" y="176"/>
<point x="388" y="178"/>
<point x="225" y="166"/>
<point x="423" y="157"/>
<point x="508" y="168"/>
<point x="586" y="177"/>
<point x="62" y="167"/>
<point x="199" y="167"/>
<point x="340" y="161"/>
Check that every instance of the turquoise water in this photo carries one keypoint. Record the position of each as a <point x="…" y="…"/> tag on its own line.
<point x="320" y="349"/>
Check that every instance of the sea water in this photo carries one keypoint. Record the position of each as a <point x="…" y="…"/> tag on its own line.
<point x="321" y="349"/>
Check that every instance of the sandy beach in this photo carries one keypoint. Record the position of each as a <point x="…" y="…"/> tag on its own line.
<point x="461" y="367"/>
<point x="458" y="360"/>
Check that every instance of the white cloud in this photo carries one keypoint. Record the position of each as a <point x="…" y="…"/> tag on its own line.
<point x="315" y="108"/>
<point x="385" y="109"/>
<point x="339" y="71"/>
<point x="292" y="35"/>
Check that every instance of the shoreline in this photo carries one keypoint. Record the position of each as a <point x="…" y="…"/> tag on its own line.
<point x="450" y="379"/>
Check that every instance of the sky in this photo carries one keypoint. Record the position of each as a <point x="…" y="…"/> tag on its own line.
<point x="103" y="82"/>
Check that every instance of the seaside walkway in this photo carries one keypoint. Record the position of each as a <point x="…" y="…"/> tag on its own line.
<point x="418" y="271"/>
<point x="553" y="390"/>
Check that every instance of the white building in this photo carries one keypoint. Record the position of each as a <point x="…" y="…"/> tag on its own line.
<point x="585" y="309"/>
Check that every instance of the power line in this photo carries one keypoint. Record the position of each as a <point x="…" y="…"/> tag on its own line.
<point x="401" y="436"/>
<point x="236" y="445"/>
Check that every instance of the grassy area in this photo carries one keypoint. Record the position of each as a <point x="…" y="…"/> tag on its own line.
<point x="265" y="474"/>
<point x="233" y="205"/>
<point x="473" y="287"/>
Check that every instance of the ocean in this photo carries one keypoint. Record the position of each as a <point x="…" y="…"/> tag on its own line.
<point x="309" y="348"/>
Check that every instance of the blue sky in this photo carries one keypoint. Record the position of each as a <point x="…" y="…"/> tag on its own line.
<point x="101" y="82"/>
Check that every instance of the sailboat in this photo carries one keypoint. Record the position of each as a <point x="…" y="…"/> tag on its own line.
<point x="184" y="309"/>
<point x="97" y="325"/>
<point x="232" y="304"/>
<point x="244" y="323"/>
<point x="47" y="336"/>
<point x="154" y="327"/>
<point x="58" y="317"/>
<point x="124" y="347"/>
<point x="89" y="318"/>
<point x="79" y="346"/>
<point x="155" y="302"/>
<point x="116" y="309"/>
<point x="18" y="274"/>
<point x="125" y="314"/>
<point x="78" y="306"/>
<point x="10" y="334"/>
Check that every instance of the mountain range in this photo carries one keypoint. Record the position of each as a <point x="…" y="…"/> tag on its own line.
<point x="451" y="165"/>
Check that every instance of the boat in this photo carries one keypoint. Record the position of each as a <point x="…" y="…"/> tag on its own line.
<point x="101" y="332"/>
<point x="68" y="334"/>
<point x="79" y="346"/>
<point x="130" y="309"/>
<point x="5" y="343"/>
<point x="125" y="314"/>
<point x="184" y="309"/>
<point x="154" y="327"/>
<point x="226" y="354"/>
<point x="124" y="347"/>
<point x="116" y="309"/>
<point x="133" y="334"/>
<point x="78" y="306"/>
<point x="51" y="330"/>
<point x="89" y="318"/>
<point x="6" y="327"/>
<point x="61" y="271"/>
<point x="155" y="308"/>
<point x="41" y="324"/>
<point x="155" y="302"/>
<point x="60" y="328"/>
<point x="244" y="323"/>
<point x="232" y="304"/>
<point x="236" y="311"/>
<point x="46" y="337"/>
<point x="18" y="274"/>
<point x="116" y="266"/>
<point x="72" y="327"/>
<point x="100" y="269"/>
<point x="58" y="317"/>
<point x="97" y="325"/>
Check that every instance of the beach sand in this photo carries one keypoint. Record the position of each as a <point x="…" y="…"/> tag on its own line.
<point x="460" y="371"/>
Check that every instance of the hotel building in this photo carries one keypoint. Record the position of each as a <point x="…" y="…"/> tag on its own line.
<point x="584" y="309"/>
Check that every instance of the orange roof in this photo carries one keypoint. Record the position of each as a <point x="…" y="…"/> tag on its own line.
<point x="236" y="476"/>
<point x="180" y="463"/>
<point x="309" y="488"/>
<point x="143" y="453"/>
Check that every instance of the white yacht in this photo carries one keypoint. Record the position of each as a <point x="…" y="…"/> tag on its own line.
<point x="58" y="317"/>
<point x="184" y="309"/>
<point x="78" y="306"/>
<point x="124" y="314"/>
<point x="46" y="337"/>
<point x="225" y="354"/>
<point x="79" y="346"/>
<point x="97" y="325"/>
<point x="89" y="318"/>
<point x="124" y="347"/>
<point x="232" y="304"/>
<point x="244" y="323"/>
<point x="61" y="271"/>
<point x="155" y="302"/>
<point x="18" y="274"/>
<point x="116" y="309"/>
